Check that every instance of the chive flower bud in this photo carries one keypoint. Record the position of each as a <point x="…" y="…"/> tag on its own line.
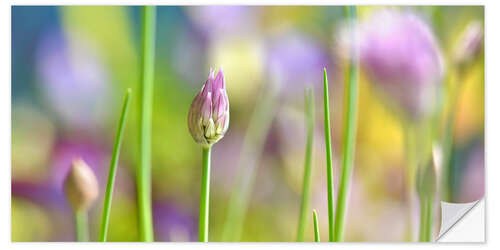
<point x="81" y="186"/>
<point x="208" y="117"/>
<point x="469" y="43"/>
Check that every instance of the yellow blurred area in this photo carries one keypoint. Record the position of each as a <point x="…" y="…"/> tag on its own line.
<point x="31" y="159"/>
<point x="123" y="220"/>
<point x="470" y="107"/>
<point x="29" y="221"/>
<point x="241" y="58"/>
<point x="281" y="17"/>
<point x="365" y="12"/>
<point x="380" y="140"/>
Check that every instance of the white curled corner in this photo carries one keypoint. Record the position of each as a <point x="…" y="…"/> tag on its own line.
<point x="451" y="213"/>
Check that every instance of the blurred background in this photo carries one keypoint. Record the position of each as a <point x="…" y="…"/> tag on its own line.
<point x="72" y="65"/>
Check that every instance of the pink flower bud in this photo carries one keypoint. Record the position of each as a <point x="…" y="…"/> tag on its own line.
<point x="208" y="117"/>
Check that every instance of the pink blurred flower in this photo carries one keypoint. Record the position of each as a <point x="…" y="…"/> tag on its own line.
<point x="400" y="54"/>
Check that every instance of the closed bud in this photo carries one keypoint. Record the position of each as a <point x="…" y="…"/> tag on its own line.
<point x="208" y="117"/>
<point x="81" y="186"/>
<point x="469" y="43"/>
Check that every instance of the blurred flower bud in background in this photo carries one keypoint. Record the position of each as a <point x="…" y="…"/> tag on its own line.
<point x="208" y="117"/>
<point x="74" y="80"/>
<point x="399" y="53"/>
<point x="63" y="155"/>
<point x="81" y="186"/>
<point x="469" y="44"/>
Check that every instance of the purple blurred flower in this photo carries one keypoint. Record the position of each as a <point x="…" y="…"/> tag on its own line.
<point x="73" y="79"/>
<point x="216" y="21"/>
<point x="173" y="224"/>
<point x="48" y="195"/>
<point x="296" y="60"/>
<point x="472" y="188"/>
<point x="400" y="54"/>
<point x="208" y="117"/>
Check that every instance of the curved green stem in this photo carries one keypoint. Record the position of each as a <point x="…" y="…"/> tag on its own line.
<point x="329" y="167"/>
<point x="204" y="196"/>
<point x="306" y="183"/>
<point x="112" y="169"/>
<point x="316" y="226"/>
<point x="146" y="111"/>
<point x="349" y="137"/>
<point x="81" y="226"/>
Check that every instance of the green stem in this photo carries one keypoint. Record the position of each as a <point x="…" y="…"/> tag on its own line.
<point x="409" y="171"/>
<point x="329" y="167"/>
<point x="349" y="137"/>
<point x="306" y="184"/>
<point x="316" y="226"/>
<point x="448" y="138"/>
<point x="429" y="216"/>
<point x="146" y="110"/>
<point x="204" y="196"/>
<point x="112" y="169"/>
<point x="423" y="219"/>
<point x="81" y="226"/>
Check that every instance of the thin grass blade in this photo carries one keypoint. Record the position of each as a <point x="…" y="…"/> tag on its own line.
<point x="316" y="226"/>
<point x="306" y="183"/>
<point x="106" y="210"/>
<point x="349" y="133"/>
<point x="329" y="165"/>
